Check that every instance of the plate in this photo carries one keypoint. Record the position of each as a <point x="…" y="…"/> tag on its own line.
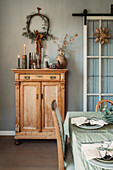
<point x="104" y="165"/>
<point x="105" y="160"/>
<point x="90" y="126"/>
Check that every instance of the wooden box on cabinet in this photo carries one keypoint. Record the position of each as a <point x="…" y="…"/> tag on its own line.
<point x="34" y="92"/>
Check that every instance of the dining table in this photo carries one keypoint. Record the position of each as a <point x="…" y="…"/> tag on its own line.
<point x="79" y="136"/>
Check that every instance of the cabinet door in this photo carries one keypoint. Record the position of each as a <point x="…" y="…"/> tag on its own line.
<point x="51" y="91"/>
<point x="30" y="104"/>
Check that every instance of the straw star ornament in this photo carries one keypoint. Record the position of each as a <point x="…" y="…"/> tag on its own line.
<point x="102" y="35"/>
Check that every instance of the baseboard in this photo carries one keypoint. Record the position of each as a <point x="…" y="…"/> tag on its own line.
<point x="7" y="133"/>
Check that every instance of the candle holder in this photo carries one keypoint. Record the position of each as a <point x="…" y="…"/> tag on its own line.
<point x="18" y="68"/>
<point x="18" y="62"/>
<point x="111" y="8"/>
<point x="30" y="60"/>
<point x="24" y="62"/>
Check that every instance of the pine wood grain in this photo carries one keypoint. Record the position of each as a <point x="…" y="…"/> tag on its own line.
<point x="35" y="90"/>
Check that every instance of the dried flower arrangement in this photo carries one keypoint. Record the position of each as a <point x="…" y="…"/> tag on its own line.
<point x="65" y="42"/>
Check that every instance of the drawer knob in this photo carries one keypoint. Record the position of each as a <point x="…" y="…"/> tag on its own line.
<point x="52" y="77"/>
<point x="27" y="77"/>
<point x="40" y="76"/>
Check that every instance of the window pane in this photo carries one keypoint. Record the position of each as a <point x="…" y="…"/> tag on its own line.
<point x="93" y="48"/>
<point x="93" y="85"/>
<point x="93" y="76"/>
<point x="91" y="102"/>
<point x="107" y="48"/>
<point x="104" y="49"/>
<point x="90" y="29"/>
<point x="110" y="47"/>
<point x="107" y="76"/>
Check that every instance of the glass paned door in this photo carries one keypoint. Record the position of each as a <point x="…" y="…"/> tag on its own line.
<point x="98" y="63"/>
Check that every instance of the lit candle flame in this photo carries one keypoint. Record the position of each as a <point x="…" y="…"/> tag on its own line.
<point x="18" y="56"/>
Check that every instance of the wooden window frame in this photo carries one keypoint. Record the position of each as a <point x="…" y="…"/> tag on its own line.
<point x="100" y="57"/>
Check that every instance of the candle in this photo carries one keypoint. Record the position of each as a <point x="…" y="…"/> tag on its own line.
<point x="18" y="61"/>
<point x="24" y="49"/>
<point x="42" y="54"/>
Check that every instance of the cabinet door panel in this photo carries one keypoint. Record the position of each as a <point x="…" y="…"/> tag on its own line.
<point x="51" y="91"/>
<point x="30" y="107"/>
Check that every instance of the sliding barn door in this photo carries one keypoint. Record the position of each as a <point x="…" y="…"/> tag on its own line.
<point x="98" y="63"/>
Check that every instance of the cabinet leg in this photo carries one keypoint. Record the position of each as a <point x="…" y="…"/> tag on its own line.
<point x="17" y="142"/>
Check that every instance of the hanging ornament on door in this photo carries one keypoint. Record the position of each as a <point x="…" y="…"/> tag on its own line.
<point x="102" y="35"/>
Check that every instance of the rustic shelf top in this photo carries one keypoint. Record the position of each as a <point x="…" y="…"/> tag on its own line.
<point x="39" y="70"/>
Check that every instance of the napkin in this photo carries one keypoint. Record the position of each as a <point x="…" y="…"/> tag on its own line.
<point x="78" y="121"/>
<point x="91" y="151"/>
<point x="98" y="122"/>
<point x="81" y="120"/>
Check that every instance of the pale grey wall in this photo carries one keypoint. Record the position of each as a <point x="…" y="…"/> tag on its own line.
<point x="12" y="19"/>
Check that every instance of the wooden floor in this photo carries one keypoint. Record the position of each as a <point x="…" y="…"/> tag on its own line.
<point x="29" y="155"/>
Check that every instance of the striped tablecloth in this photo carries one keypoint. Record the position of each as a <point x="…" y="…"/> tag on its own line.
<point x="78" y="136"/>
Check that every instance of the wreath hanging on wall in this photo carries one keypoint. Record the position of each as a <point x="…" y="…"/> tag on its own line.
<point x="37" y="35"/>
<point x="33" y="34"/>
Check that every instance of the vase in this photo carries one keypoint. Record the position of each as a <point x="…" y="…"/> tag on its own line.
<point x="61" y="58"/>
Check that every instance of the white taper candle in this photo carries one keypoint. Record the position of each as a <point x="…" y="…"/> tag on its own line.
<point x="24" y="49"/>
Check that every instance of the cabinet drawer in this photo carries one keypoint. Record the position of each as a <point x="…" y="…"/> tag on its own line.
<point x="39" y="77"/>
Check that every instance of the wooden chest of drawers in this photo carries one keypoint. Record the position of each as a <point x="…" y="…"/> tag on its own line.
<point x="34" y="92"/>
<point x="42" y="77"/>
